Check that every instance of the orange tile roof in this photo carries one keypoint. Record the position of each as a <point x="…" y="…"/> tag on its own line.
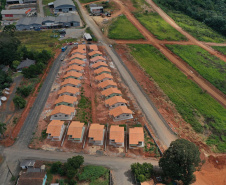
<point x="136" y="135"/>
<point x="75" y="129"/>
<point x="82" y="46"/>
<point x="66" y="98"/>
<point x="71" y="81"/>
<point x="120" y="110"/>
<point x="78" y="51"/>
<point x="96" y="131"/>
<point x="97" y="58"/>
<point x="117" y="133"/>
<point x="73" y="73"/>
<point x="99" y="64"/>
<point x="93" y="47"/>
<point x="94" y="53"/>
<point x="75" y="67"/>
<point x="103" y="76"/>
<point x="115" y="99"/>
<point x="54" y="127"/>
<point x="76" y="61"/>
<point x="68" y="89"/>
<point x="102" y="69"/>
<point x="110" y="91"/>
<point x="106" y="83"/>
<point x="77" y="56"/>
<point x="62" y="109"/>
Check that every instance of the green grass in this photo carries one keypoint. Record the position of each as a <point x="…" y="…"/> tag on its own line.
<point x="221" y="49"/>
<point x="159" y="27"/>
<point x="122" y="28"/>
<point x="86" y="1"/>
<point x="190" y="101"/>
<point x="197" y="29"/>
<point x="37" y="40"/>
<point x="45" y="2"/>
<point x="47" y="11"/>
<point x="208" y="66"/>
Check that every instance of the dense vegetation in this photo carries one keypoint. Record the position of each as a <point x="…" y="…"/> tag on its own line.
<point x="5" y="80"/>
<point x="142" y="172"/>
<point x="191" y="102"/>
<point x="210" y="67"/>
<point x="211" y="12"/>
<point x="122" y="28"/>
<point x="2" y="7"/>
<point x="159" y="27"/>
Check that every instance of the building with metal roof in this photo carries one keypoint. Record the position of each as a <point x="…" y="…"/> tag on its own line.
<point x="64" y="6"/>
<point x="13" y="14"/>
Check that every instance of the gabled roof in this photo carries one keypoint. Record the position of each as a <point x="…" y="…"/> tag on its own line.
<point x="96" y="131"/>
<point x="99" y="64"/>
<point x="117" y="133"/>
<point x="34" y="178"/>
<point x="69" y="89"/>
<point x="136" y="135"/>
<point x="110" y="91"/>
<point x="82" y="46"/>
<point x="73" y="73"/>
<point x="14" y="11"/>
<point x="76" y="61"/>
<point x="26" y="63"/>
<point x="107" y="83"/>
<point x="75" y="67"/>
<point x="93" y="47"/>
<point x="120" y="110"/>
<point x="94" y="59"/>
<point x="77" y="56"/>
<point x="115" y="99"/>
<point x="54" y="127"/>
<point x="48" y="18"/>
<point x="78" y="51"/>
<point x="64" y="2"/>
<point x="66" y="98"/>
<point x="62" y="109"/>
<point x="71" y="81"/>
<point x="103" y="76"/>
<point x="101" y="69"/>
<point x="94" y="53"/>
<point x="75" y="129"/>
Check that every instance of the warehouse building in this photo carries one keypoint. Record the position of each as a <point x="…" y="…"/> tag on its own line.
<point x="64" y="6"/>
<point x="9" y="15"/>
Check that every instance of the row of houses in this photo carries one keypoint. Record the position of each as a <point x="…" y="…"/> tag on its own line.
<point x="109" y="91"/>
<point x="29" y="23"/>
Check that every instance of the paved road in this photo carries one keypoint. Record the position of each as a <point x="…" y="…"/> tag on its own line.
<point x="163" y="133"/>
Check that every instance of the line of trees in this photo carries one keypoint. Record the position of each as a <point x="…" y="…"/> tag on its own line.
<point x="211" y="12"/>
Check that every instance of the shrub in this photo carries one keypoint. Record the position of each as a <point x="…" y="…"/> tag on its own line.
<point x="19" y="102"/>
<point x="24" y="91"/>
<point x="55" y="167"/>
<point x="143" y="171"/>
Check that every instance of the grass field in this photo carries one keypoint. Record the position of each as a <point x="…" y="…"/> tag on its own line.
<point x="86" y="1"/>
<point x="159" y="27"/>
<point x="190" y="101"/>
<point x="220" y="49"/>
<point x="207" y="65"/>
<point x="197" y="29"/>
<point x="122" y="28"/>
<point x="47" y="11"/>
<point x="45" y="2"/>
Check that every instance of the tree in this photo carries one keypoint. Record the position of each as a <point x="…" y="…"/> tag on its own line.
<point x="180" y="161"/>
<point x="19" y="102"/>
<point x="71" y="173"/>
<point x="9" y="29"/>
<point x="15" y="64"/>
<point x="24" y="90"/>
<point x="55" y="167"/>
<point x="2" y="128"/>
<point x="5" y="80"/>
<point x="143" y="171"/>
<point x="75" y="162"/>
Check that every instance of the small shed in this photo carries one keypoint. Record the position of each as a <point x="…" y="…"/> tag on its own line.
<point x="25" y="64"/>
<point x="28" y="163"/>
<point x="87" y="36"/>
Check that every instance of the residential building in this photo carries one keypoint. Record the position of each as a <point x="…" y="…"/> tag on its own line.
<point x="27" y="163"/>
<point x="96" y="134"/>
<point x="63" y="112"/>
<point x="25" y="64"/>
<point x="107" y="84"/>
<point x="97" y="59"/>
<point x="71" y="82"/>
<point x="77" y="62"/>
<point x="76" y="131"/>
<point x="34" y="178"/>
<point x="76" y="68"/>
<point x="99" y="65"/>
<point x="14" y="14"/>
<point x="93" y="47"/>
<point x="93" y="54"/>
<point x="82" y="46"/>
<point x="136" y="137"/>
<point x="36" y="22"/>
<point x="66" y="100"/>
<point x="103" y="77"/>
<point x="102" y="70"/>
<point x="115" y="101"/>
<point x="64" y="6"/>
<point x="78" y="51"/>
<point x="110" y="92"/>
<point x="78" y="56"/>
<point x="68" y="90"/>
<point x="73" y="74"/>
<point x="121" y="113"/>
<point x="116" y="136"/>
<point x="55" y="130"/>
